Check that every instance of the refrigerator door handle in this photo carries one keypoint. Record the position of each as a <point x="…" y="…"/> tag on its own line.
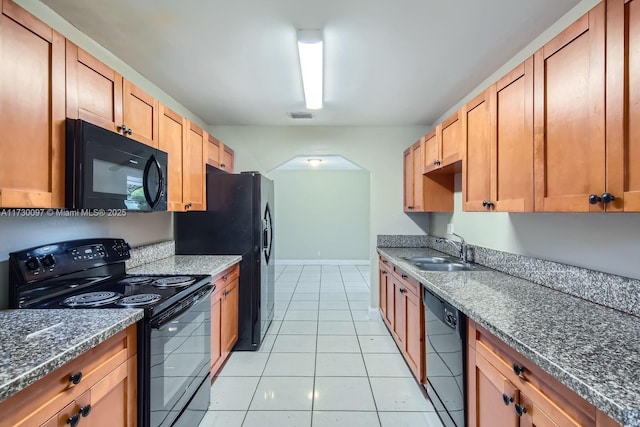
<point x="267" y="233"/>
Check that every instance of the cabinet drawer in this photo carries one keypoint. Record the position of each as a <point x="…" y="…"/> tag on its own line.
<point x="543" y="391"/>
<point x="221" y="280"/>
<point x="53" y="392"/>
<point x="408" y="282"/>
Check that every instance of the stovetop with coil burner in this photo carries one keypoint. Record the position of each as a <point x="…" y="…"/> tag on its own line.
<point x="90" y="273"/>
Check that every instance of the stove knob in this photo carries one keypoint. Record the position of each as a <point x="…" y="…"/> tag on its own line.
<point x="48" y="261"/>
<point x="32" y="264"/>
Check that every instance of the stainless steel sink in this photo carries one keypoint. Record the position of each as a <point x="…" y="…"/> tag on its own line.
<point x="431" y="260"/>
<point x="448" y="266"/>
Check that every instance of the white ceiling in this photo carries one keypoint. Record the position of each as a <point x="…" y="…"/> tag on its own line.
<point x="387" y="62"/>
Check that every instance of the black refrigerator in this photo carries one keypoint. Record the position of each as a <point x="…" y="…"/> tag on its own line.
<point x="238" y="221"/>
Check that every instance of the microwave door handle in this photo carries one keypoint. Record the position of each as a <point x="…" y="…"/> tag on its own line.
<point x="152" y="162"/>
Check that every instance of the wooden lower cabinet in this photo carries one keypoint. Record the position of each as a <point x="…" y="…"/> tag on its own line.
<point x="497" y="396"/>
<point x="402" y="312"/>
<point x="224" y="316"/>
<point x="106" y="394"/>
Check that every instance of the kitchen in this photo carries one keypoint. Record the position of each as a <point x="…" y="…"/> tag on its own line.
<point x="604" y="242"/>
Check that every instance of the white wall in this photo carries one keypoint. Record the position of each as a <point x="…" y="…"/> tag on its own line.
<point x="376" y="149"/>
<point x="321" y="214"/>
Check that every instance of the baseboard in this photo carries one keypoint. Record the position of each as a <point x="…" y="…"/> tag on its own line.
<point x="322" y="262"/>
<point x="374" y="313"/>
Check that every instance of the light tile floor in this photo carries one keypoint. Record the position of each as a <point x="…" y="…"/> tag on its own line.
<point x="324" y="363"/>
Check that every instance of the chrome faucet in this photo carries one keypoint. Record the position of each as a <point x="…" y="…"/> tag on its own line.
<point x="461" y="246"/>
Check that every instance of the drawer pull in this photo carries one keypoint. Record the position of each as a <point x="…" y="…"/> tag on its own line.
<point x="225" y="277"/>
<point x="518" y="369"/>
<point x="404" y="276"/>
<point x="402" y="290"/>
<point x="507" y="399"/>
<point x="384" y="272"/>
<point x="85" y="410"/>
<point x="75" y="378"/>
<point x="520" y="409"/>
<point x="74" y="420"/>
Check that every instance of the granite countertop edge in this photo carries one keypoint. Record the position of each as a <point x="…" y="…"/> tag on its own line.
<point x="628" y="416"/>
<point x="188" y="264"/>
<point x="35" y="373"/>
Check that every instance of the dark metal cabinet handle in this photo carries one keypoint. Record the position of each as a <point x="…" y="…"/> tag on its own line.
<point x="409" y="207"/>
<point x="225" y="277"/>
<point x="402" y="290"/>
<point x="384" y="261"/>
<point x="75" y="378"/>
<point x="518" y="369"/>
<point x="188" y="205"/>
<point x="404" y="276"/>
<point x="222" y="165"/>
<point x="74" y="420"/>
<point x="128" y="131"/>
<point x="487" y="204"/>
<point x="594" y="199"/>
<point x="607" y="198"/>
<point x="520" y="409"/>
<point x="122" y="128"/>
<point x="85" y="410"/>
<point x="507" y="399"/>
<point x="384" y="272"/>
<point x="225" y="293"/>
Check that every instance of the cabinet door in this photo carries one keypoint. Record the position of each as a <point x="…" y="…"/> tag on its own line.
<point x="400" y="306"/>
<point x="227" y="159"/>
<point x="451" y="140"/>
<point x="476" y="175"/>
<point x="490" y="391"/>
<point x="213" y="151"/>
<point x="32" y="72"/>
<point x="512" y="141"/>
<point x="383" y="278"/>
<point x="418" y="168"/>
<point x="113" y="399"/>
<point x="230" y="316"/>
<point x="534" y="416"/>
<point x="414" y="335"/>
<point x="623" y="105"/>
<point x="390" y="312"/>
<point x="94" y="91"/>
<point x="216" y="330"/>
<point x="408" y="180"/>
<point x="193" y="165"/>
<point x="431" y="151"/>
<point x="140" y="112"/>
<point x="171" y="137"/>
<point x="569" y="117"/>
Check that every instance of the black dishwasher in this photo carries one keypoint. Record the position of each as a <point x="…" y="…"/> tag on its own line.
<point x="445" y="333"/>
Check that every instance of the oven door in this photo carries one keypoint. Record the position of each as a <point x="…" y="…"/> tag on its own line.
<point x="106" y="170"/>
<point x="180" y="356"/>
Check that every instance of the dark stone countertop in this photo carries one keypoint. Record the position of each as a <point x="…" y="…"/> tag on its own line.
<point x="592" y="349"/>
<point x="34" y="343"/>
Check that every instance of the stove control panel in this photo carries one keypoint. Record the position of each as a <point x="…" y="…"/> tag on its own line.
<point x="60" y="258"/>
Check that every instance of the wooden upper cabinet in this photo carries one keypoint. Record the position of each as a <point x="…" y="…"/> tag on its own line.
<point x="171" y="136"/>
<point x="94" y="90"/>
<point x="140" y="114"/>
<point x="213" y="151"/>
<point x="444" y="148"/>
<point x="623" y="105"/>
<point x="569" y="117"/>
<point x="226" y="162"/>
<point x="32" y="101"/>
<point x="193" y="164"/>
<point x="476" y="175"/>
<point x="99" y="95"/>
<point x="408" y="180"/>
<point x="512" y="141"/>
<point x="418" y="171"/>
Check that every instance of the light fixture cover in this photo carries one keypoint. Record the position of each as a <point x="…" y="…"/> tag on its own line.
<point x="310" y="50"/>
<point x="314" y="162"/>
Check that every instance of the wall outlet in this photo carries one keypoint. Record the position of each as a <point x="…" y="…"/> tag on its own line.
<point x="450" y="228"/>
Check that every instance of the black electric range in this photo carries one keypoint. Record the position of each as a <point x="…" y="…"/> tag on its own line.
<point x="173" y="338"/>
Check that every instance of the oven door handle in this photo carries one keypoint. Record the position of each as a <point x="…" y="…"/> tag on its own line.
<point x="183" y="306"/>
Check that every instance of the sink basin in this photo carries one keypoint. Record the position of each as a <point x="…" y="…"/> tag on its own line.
<point x="447" y="266"/>
<point x="431" y="260"/>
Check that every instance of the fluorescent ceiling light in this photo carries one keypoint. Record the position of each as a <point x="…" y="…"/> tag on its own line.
<point x="311" y="52"/>
<point x="314" y="162"/>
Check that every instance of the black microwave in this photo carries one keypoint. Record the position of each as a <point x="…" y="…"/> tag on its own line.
<point x="106" y="170"/>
